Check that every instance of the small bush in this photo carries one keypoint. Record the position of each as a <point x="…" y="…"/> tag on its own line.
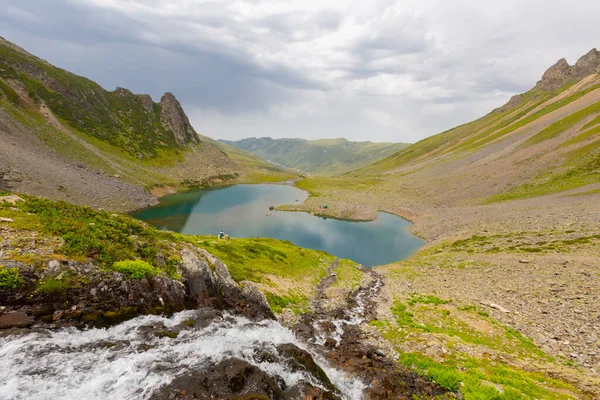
<point x="9" y="278"/>
<point x="135" y="269"/>
<point x="52" y="285"/>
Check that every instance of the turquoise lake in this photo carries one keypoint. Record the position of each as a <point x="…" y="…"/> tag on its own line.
<point x="241" y="211"/>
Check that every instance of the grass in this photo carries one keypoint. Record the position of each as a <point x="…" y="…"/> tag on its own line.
<point x="9" y="278"/>
<point x="562" y="125"/>
<point x="316" y="185"/>
<point x="580" y="167"/>
<point x="478" y="374"/>
<point x="254" y="258"/>
<point x="324" y="157"/>
<point x="135" y="269"/>
<point x="97" y="235"/>
<point x="347" y="275"/>
<point x="287" y="274"/>
<point x="481" y="379"/>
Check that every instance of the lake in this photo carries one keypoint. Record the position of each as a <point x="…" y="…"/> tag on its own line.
<point x="241" y="211"/>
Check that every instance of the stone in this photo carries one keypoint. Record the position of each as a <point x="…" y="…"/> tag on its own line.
<point x="173" y="117"/>
<point x="15" y="320"/>
<point x="4" y="219"/>
<point x="524" y="261"/>
<point x="11" y="199"/>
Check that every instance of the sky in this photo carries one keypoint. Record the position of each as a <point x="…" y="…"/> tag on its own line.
<point x="377" y="70"/>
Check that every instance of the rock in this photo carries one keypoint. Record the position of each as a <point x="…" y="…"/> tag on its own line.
<point x="495" y="306"/>
<point x="173" y="117"/>
<point x="301" y="360"/>
<point x="16" y="320"/>
<point x="4" y="219"/>
<point x="212" y="285"/>
<point x="288" y="318"/>
<point x="523" y="261"/>
<point x="229" y="379"/>
<point x="11" y="199"/>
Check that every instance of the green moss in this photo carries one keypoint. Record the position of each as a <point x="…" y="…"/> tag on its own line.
<point x="9" y="278"/>
<point x="135" y="269"/>
<point x="167" y="334"/>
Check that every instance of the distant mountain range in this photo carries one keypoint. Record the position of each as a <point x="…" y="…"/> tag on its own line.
<point x="317" y="157"/>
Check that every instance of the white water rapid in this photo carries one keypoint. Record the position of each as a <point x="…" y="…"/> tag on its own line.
<point x="125" y="362"/>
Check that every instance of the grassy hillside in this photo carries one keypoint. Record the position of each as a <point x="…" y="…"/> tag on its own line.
<point x="318" y="157"/>
<point x="544" y="141"/>
<point x="65" y="137"/>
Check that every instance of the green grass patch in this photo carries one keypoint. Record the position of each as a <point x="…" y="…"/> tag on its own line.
<point x="9" y="278"/>
<point x="295" y="301"/>
<point x="135" y="269"/>
<point x="253" y="258"/>
<point x="580" y="167"/>
<point x="483" y="379"/>
<point x="98" y="235"/>
<point x="347" y="275"/>
<point x="562" y="125"/>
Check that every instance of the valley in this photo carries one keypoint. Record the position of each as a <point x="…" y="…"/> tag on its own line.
<point x="501" y="303"/>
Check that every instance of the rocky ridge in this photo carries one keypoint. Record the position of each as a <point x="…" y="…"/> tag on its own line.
<point x="561" y="73"/>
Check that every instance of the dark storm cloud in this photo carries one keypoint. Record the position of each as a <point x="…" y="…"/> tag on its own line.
<point x="383" y="69"/>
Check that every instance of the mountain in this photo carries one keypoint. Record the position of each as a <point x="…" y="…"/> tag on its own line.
<point x="319" y="157"/>
<point x="65" y="137"/>
<point x="544" y="141"/>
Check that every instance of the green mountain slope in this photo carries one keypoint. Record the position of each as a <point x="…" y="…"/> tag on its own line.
<point x="65" y="137"/>
<point x="319" y="157"/>
<point x="544" y="141"/>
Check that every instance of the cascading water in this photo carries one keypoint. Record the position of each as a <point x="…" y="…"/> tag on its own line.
<point x="354" y="316"/>
<point x="127" y="361"/>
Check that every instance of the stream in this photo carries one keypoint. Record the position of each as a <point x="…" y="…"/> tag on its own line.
<point x="127" y="361"/>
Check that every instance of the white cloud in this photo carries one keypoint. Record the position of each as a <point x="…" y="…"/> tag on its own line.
<point x="378" y="70"/>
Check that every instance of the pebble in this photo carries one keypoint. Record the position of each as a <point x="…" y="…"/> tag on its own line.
<point x="3" y="219"/>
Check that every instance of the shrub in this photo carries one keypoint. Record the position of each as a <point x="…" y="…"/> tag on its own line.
<point x="9" y="278"/>
<point x="135" y="269"/>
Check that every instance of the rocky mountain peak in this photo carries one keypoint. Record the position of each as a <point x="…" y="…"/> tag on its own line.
<point x="123" y="92"/>
<point x="147" y="102"/>
<point x="587" y="64"/>
<point x="173" y="117"/>
<point x="561" y="72"/>
<point x="555" y="76"/>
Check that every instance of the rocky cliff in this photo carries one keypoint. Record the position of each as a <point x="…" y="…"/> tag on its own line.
<point x="561" y="73"/>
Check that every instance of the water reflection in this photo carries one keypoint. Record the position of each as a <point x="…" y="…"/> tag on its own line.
<point x="243" y="211"/>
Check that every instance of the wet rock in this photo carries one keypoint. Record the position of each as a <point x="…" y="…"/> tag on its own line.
<point x="229" y="379"/>
<point x="210" y="284"/>
<point x="288" y="318"/>
<point x="299" y="359"/>
<point x="16" y="320"/>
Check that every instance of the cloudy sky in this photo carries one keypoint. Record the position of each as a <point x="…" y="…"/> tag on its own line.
<point x="379" y="70"/>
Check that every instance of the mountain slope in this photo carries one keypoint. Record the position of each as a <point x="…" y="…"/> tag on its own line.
<point x="65" y="137"/>
<point x="320" y="157"/>
<point x="544" y="141"/>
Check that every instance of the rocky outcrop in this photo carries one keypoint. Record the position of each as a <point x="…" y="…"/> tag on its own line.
<point x="173" y="117"/>
<point x="73" y="293"/>
<point x="561" y="73"/>
<point x="555" y="76"/>
<point x="210" y="284"/>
